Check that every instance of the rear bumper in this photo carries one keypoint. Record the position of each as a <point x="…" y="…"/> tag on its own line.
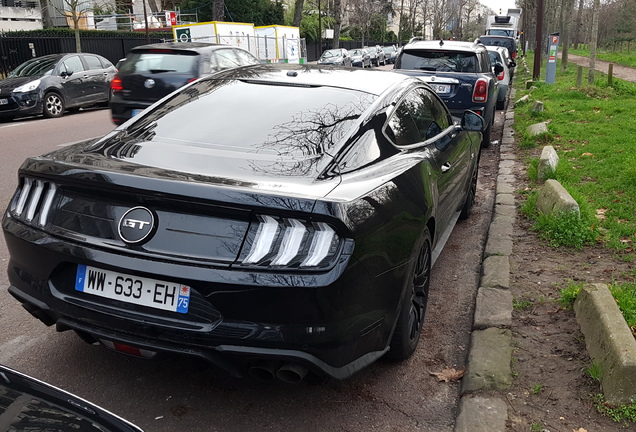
<point x="333" y="325"/>
<point x="123" y="110"/>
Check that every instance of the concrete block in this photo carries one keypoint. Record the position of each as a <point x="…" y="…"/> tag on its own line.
<point x="537" y="129"/>
<point x="537" y="107"/>
<point x="523" y="99"/>
<point x="495" y="272"/>
<point x="505" y="199"/>
<point x="489" y="361"/>
<point x="504" y="187"/>
<point x="548" y="163"/>
<point x="481" y="414"/>
<point x="498" y="246"/>
<point x="554" y="198"/>
<point x="609" y="342"/>
<point x="493" y="308"/>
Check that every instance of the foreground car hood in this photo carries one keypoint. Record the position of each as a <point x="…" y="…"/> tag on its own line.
<point x="217" y="166"/>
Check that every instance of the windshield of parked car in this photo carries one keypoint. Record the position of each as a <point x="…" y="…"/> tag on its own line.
<point x="332" y="53"/>
<point x="388" y="50"/>
<point x="439" y="61"/>
<point x="36" y="67"/>
<point x="157" y="61"/>
<point x="254" y="120"/>
<point x="495" y="57"/>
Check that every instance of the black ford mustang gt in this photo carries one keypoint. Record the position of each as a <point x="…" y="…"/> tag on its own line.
<point x="271" y="219"/>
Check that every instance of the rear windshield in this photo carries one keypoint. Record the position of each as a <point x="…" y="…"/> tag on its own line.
<point x="499" y="41"/>
<point x="247" y="117"/>
<point x="439" y="61"/>
<point x="161" y="61"/>
<point x="499" y="32"/>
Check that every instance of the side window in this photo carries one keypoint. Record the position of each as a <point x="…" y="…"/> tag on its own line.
<point x="93" y="62"/>
<point x="401" y="128"/>
<point x="225" y="59"/>
<point x="438" y="113"/>
<point x="73" y="64"/>
<point x="245" y="58"/>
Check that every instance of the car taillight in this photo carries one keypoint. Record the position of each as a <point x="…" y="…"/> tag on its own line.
<point x="115" y="84"/>
<point x="192" y="79"/>
<point x="286" y="242"/>
<point x="480" y="92"/>
<point x="501" y="76"/>
<point x="514" y="55"/>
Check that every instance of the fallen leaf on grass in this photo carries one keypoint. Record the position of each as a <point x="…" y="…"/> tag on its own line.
<point x="449" y="374"/>
<point x="579" y="430"/>
<point x="587" y="154"/>
<point x="600" y="213"/>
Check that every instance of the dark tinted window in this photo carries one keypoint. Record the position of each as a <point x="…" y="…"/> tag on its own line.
<point x="161" y="61"/>
<point x="500" y="41"/>
<point x="93" y="62"/>
<point x="244" y="117"/>
<point x="440" y="61"/>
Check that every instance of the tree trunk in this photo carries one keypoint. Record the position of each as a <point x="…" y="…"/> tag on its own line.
<point x="565" y="32"/>
<point x="577" y="28"/>
<point x="593" y="42"/>
<point x="46" y="14"/>
<point x="298" y="12"/>
<point x="76" y="20"/>
<point x="337" y="14"/>
<point x="218" y="10"/>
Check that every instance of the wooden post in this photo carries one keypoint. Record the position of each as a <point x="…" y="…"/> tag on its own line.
<point x="610" y="73"/>
<point x="579" y="76"/>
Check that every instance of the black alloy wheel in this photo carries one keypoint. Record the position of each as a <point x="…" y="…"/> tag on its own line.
<point x="470" y="195"/>
<point x="53" y="105"/>
<point x="409" y="324"/>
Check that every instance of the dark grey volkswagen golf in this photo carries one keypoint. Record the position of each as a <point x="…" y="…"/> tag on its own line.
<point x="271" y="220"/>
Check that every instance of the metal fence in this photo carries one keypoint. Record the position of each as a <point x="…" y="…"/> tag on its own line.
<point x="15" y="50"/>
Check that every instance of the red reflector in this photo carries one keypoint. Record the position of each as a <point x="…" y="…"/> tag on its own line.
<point x="514" y="55"/>
<point x="192" y="79"/>
<point x="127" y="349"/>
<point x="478" y="112"/>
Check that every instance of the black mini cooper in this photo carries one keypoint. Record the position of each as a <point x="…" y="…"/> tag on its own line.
<point x="271" y="219"/>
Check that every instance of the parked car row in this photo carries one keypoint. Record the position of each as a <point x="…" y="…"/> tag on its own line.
<point x="365" y="57"/>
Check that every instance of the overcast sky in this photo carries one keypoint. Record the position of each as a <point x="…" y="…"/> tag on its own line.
<point x="495" y="5"/>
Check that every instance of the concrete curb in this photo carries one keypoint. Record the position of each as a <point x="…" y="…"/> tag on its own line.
<point x="490" y="354"/>
<point x="609" y="341"/>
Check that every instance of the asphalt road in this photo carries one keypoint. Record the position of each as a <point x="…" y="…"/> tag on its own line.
<point x="173" y="394"/>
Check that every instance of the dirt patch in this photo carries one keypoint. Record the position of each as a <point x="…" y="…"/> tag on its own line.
<point x="551" y="386"/>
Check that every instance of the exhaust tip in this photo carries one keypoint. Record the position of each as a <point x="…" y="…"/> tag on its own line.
<point x="263" y="370"/>
<point x="291" y="373"/>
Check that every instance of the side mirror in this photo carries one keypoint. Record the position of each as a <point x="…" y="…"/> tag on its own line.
<point x="513" y="64"/>
<point x="67" y="73"/>
<point x="498" y="68"/>
<point x="471" y="121"/>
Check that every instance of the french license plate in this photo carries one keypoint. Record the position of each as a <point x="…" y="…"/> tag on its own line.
<point x="4" y="101"/>
<point x="441" y="88"/>
<point x="136" y="111"/>
<point x="133" y="289"/>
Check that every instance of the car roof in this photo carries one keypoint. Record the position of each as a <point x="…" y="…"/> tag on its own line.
<point x="183" y="46"/>
<point x="446" y="45"/>
<point x="368" y="81"/>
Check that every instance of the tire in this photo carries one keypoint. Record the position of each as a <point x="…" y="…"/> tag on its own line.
<point x="53" y="105"/>
<point x="409" y="323"/>
<point x="485" y="142"/>
<point x="501" y="104"/>
<point x="470" y="197"/>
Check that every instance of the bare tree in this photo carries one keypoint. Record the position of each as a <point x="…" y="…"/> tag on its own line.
<point x="218" y="10"/>
<point x="77" y="11"/>
<point x="298" y="12"/>
<point x="593" y="41"/>
<point x="337" y="15"/>
<point x="566" y="20"/>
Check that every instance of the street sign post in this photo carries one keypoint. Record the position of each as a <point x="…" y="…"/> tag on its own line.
<point x="553" y="49"/>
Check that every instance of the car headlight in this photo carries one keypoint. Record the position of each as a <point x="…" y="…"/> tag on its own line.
<point x="30" y="86"/>
<point x="286" y="242"/>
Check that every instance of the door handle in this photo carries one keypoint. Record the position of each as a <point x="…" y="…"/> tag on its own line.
<point x="446" y="167"/>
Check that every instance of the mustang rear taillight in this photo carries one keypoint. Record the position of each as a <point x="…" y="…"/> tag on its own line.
<point x="32" y="201"/>
<point x="287" y="242"/>
<point x="480" y="92"/>
<point x="116" y="85"/>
